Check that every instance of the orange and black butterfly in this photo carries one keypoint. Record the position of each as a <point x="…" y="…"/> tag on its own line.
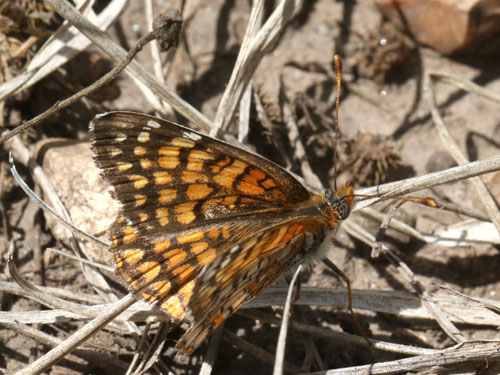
<point x="204" y="226"/>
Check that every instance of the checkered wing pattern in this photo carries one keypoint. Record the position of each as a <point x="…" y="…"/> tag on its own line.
<point x="203" y="226"/>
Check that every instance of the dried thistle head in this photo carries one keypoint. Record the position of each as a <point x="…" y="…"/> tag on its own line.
<point x="371" y="159"/>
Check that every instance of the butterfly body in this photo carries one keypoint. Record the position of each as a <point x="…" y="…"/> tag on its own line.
<point x="203" y="226"/>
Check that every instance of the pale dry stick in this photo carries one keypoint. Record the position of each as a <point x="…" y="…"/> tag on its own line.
<point x="394" y="224"/>
<point x="254" y="24"/>
<point x="443" y="321"/>
<point x="100" y="360"/>
<point x="479" y="301"/>
<point x="249" y="58"/>
<point x="377" y="246"/>
<point x="244" y="115"/>
<point x="246" y="99"/>
<point x="77" y="338"/>
<point x="135" y="69"/>
<point x="336" y="336"/>
<point x="403" y="304"/>
<point x="461" y="353"/>
<point x="465" y="85"/>
<point x="256" y="351"/>
<point x="280" y="347"/>
<point x="299" y="150"/>
<point x="63" y="45"/>
<point x="213" y="348"/>
<point x="141" y="344"/>
<point x="82" y="260"/>
<point x="158" y="67"/>
<point x="411" y="185"/>
<point x="88" y="299"/>
<point x="452" y="147"/>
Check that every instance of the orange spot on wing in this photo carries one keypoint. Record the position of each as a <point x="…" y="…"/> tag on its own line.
<point x="169" y="151"/>
<point x="257" y="174"/>
<point x="149" y="297"/>
<point x="169" y="162"/>
<point x="184" y="211"/>
<point x="181" y="142"/>
<point x="175" y="257"/>
<point x="225" y="231"/>
<point x="146" y="163"/>
<point x="219" y="165"/>
<point x="139" y="150"/>
<point x="167" y="195"/>
<point x="174" y="307"/>
<point x="139" y="181"/>
<point x="229" y="201"/>
<point x="190" y="177"/>
<point x="268" y="183"/>
<point x="278" y="194"/>
<point x="184" y="272"/>
<point x="162" y="216"/>
<point x="198" y="191"/>
<point x="214" y="233"/>
<point x="206" y="257"/>
<point x="249" y="185"/>
<point x="275" y="241"/>
<point x="217" y="318"/>
<point x="130" y="235"/>
<point x="162" y="287"/>
<point x="162" y="178"/>
<point x="198" y="247"/>
<point x="133" y="256"/>
<point x="139" y="199"/>
<point x="149" y="270"/>
<point x="122" y="166"/>
<point x="227" y="176"/>
<point x="196" y="159"/>
<point x="119" y="261"/>
<point x="190" y="237"/>
<point x="161" y="245"/>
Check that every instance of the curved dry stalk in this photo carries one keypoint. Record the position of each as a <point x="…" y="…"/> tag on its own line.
<point x="249" y="57"/>
<point x="369" y="196"/>
<point x="136" y="70"/>
<point x="77" y="338"/>
<point x="61" y="47"/>
<point x="452" y="147"/>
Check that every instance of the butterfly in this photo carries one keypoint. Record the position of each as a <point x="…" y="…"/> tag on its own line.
<point x="203" y="226"/>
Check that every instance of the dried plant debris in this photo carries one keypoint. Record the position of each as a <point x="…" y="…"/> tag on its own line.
<point x="371" y="159"/>
<point x="31" y="17"/>
<point x="23" y="24"/>
<point x="376" y="55"/>
<point x="317" y="127"/>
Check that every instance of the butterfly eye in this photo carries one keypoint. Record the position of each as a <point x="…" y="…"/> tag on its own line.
<point x="342" y="208"/>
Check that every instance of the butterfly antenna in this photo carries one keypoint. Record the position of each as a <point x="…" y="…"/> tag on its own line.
<point x="338" y="69"/>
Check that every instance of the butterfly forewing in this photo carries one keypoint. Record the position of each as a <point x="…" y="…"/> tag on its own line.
<point x="189" y="205"/>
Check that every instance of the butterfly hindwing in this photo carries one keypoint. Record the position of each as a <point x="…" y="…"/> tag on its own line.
<point x="252" y="264"/>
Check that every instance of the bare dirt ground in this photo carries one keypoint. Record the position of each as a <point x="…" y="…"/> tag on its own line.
<point x="386" y="134"/>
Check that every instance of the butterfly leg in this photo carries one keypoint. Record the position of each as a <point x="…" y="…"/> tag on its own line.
<point x="346" y="279"/>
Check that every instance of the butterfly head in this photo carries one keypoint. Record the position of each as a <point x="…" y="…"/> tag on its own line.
<point x="341" y="201"/>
